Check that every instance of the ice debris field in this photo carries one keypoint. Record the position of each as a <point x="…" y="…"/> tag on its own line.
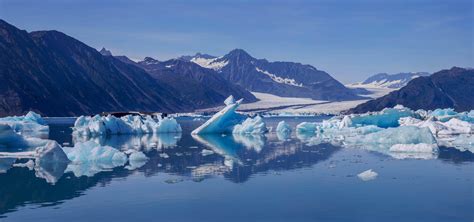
<point x="399" y="132"/>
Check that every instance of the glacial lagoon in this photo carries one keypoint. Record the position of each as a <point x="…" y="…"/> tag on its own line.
<point x="239" y="178"/>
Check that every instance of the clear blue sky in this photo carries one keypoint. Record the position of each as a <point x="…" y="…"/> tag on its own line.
<point x="348" y="39"/>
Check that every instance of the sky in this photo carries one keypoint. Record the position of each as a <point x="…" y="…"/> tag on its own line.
<point x="350" y="40"/>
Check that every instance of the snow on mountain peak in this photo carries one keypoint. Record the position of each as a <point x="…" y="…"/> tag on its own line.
<point x="214" y="63"/>
<point x="279" y="79"/>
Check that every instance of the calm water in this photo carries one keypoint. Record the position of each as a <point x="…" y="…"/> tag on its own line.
<point x="248" y="179"/>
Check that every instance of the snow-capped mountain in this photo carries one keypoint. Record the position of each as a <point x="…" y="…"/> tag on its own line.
<point x="279" y="78"/>
<point x="392" y="81"/>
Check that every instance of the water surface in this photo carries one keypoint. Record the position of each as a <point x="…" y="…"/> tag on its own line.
<point x="256" y="178"/>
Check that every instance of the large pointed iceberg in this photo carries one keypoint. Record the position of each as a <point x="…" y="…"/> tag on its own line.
<point x="223" y="121"/>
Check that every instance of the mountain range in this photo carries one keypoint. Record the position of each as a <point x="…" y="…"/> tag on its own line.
<point x="451" y="88"/>
<point x="286" y="79"/>
<point x="392" y="81"/>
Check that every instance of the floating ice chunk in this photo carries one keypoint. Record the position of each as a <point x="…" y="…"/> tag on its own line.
<point x="91" y="152"/>
<point x="443" y="114"/>
<point x="164" y="155"/>
<point x="345" y="122"/>
<point x="251" y="126"/>
<point x="111" y="125"/>
<point x="206" y="152"/>
<point x="367" y="175"/>
<point x="306" y="128"/>
<point x="450" y="127"/>
<point x="388" y="117"/>
<point x="51" y="152"/>
<point x="384" y="139"/>
<point x="168" y="125"/>
<point x="283" y="131"/>
<point x="283" y="127"/>
<point x="223" y="121"/>
<point x="463" y="143"/>
<point x="31" y="122"/>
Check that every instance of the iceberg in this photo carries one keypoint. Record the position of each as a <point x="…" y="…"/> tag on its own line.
<point x="463" y="143"/>
<point x="283" y="127"/>
<point x="91" y="152"/>
<point x="453" y="126"/>
<point x="307" y="128"/>
<point x="129" y="124"/>
<point x="386" y="118"/>
<point x="367" y="175"/>
<point x="31" y="122"/>
<point x="222" y="122"/>
<point x="251" y="126"/>
<point x="283" y="131"/>
<point x="384" y="139"/>
<point x="414" y="151"/>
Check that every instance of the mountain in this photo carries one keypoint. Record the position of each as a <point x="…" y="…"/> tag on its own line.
<point x="204" y="87"/>
<point x="453" y="88"/>
<point x="393" y="81"/>
<point x="287" y="79"/>
<point x="105" y="52"/>
<point x="57" y="75"/>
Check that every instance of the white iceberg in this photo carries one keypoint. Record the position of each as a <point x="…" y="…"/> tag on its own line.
<point x="283" y="127"/>
<point x="129" y="124"/>
<point x="367" y="175"/>
<point x="222" y="122"/>
<point x="31" y="122"/>
<point x="414" y="148"/>
<point x="463" y="143"/>
<point x="382" y="140"/>
<point x="91" y="152"/>
<point x="283" y="131"/>
<point x="206" y="152"/>
<point x="453" y="126"/>
<point x="251" y="126"/>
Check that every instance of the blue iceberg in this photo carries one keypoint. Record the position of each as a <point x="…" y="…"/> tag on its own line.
<point x="31" y="122"/>
<point x="222" y="122"/>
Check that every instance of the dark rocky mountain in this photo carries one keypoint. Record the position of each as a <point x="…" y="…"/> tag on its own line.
<point x="204" y="87"/>
<point x="279" y="78"/>
<point x="453" y="88"/>
<point x="393" y="81"/>
<point x="57" y="75"/>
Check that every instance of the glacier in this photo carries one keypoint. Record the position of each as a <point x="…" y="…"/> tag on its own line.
<point x="31" y="122"/>
<point x="222" y="122"/>
<point x="130" y="124"/>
